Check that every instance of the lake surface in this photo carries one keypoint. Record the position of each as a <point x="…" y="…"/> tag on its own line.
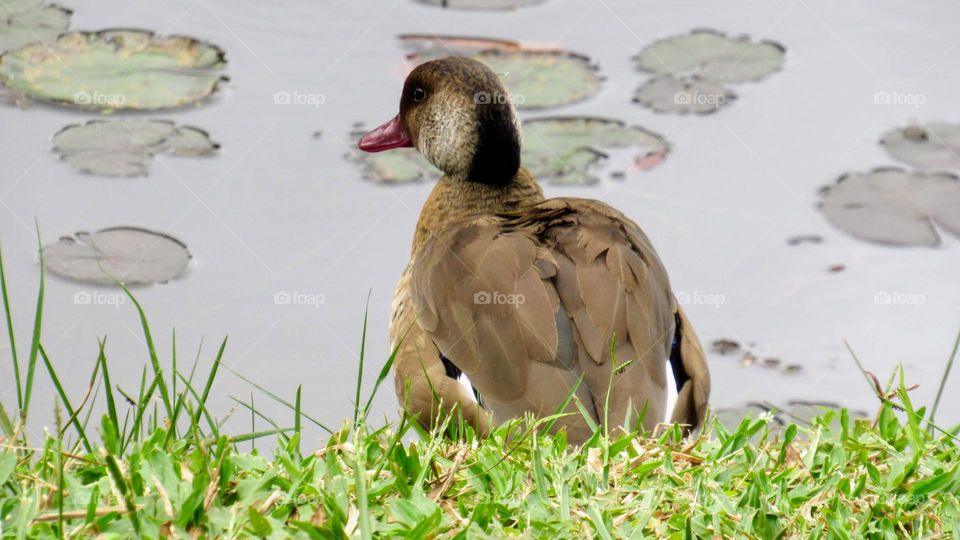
<point x="279" y="210"/>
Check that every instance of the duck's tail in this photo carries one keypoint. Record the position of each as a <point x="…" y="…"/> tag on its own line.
<point x="691" y="374"/>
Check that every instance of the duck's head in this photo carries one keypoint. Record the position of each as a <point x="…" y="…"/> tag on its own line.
<point x="458" y="115"/>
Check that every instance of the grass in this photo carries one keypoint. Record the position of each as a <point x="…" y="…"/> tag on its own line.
<point x="157" y="465"/>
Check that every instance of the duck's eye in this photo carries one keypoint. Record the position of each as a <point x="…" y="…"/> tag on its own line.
<point x="419" y="94"/>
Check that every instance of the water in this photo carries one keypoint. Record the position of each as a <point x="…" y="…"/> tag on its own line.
<point x="281" y="211"/>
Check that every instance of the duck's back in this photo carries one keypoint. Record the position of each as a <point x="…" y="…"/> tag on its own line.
<point x="528" y="303"/>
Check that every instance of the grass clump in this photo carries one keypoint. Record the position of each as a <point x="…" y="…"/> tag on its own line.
<point x="158" y="466"/>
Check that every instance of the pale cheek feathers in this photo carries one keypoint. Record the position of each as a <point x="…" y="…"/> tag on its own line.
<point x="448" y="135"/>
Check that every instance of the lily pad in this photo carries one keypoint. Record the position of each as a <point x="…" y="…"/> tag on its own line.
<point x="712" y="56"/>
<point x="534" y="78"/>
<point x="481" y="5"/>
<point x="683" y="96"/>
<point x="26" y="21"/>
<point x="692" y="70"/>
<point x="560" y="150"/>
<point x="126" y="147"/>
<point x="563" y="150"/>
<point x="115" y="70"/>
<point x="894" y="206"/>
<point x="933" y="145"/>
<point x="132" y="255"/>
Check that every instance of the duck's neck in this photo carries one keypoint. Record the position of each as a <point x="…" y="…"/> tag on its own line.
<point x="454" y="200"/>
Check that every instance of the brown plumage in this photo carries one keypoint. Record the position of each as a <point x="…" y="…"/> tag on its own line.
<point x="524" y="295"/>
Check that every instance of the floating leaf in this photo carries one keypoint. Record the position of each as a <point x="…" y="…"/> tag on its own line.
<point x="398" y="166"/>
<point x="125" y="147"/>
<point x="559" y="150"/>
<point x="115" y="69"/>
<point x="692" y="70"/>
<point x="712" y="56"/>
<point x="132" y="255"/>
<point x="481" y="5"/>
<point x="26" y="21"/>
<point x="683" y="96"/>
<point x="562" y="150"/>
<point x="933" y="145"/>
<point x="534" y="78"/>
<point x="893" y="206"/>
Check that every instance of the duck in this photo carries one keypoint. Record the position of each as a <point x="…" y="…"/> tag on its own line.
<point x="553" y="307"/>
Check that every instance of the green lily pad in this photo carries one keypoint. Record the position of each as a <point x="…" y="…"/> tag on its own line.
<point x="712" y="56"/>
<point x="481" y="5"/>
<point x="115" y="70"/>
<point x="535" y="79"/>
<point x="893" y="206"/>
<point x="691" y="71"/>
<point x="683" y="96"/>
<point x="132" y="255"/>
<point x="126" y="147"/>
<point x="26" y="21"/>
<point x="561" y="150"/>
<point x="933" y="145"/>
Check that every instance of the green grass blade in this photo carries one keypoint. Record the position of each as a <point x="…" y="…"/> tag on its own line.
<point x="252" y="436"/>
<point x="173" y="379"/>
<point x="296" y="412"/>
<point x="363" y="348"/>
<point x="203" y="408"/>
<point x="202" y="405"/>
<point x="10" y="334"/>
<point x="111" y="403"/>
<point x="384" y="373"/>
<point x="35" y="341"/>
<point x="269" y="420"/>
<point x="66" y="402"/>
<point x="943" y="380"/>
<point x="279" y="399"/>
<point x="125" y="491"/>
<point x="152" y="350"/>
<point x="5" y="423"/>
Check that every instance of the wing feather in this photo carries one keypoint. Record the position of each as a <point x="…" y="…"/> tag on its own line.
<point x="525" y="303"/>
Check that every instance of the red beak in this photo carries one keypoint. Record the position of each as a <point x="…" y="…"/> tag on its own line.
<point x="385" y="137"/>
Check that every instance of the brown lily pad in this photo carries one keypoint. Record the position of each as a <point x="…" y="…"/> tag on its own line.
<point x="893" y="206"/>
<point x="930" y="146"/>
<point x="132" y="255"/>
